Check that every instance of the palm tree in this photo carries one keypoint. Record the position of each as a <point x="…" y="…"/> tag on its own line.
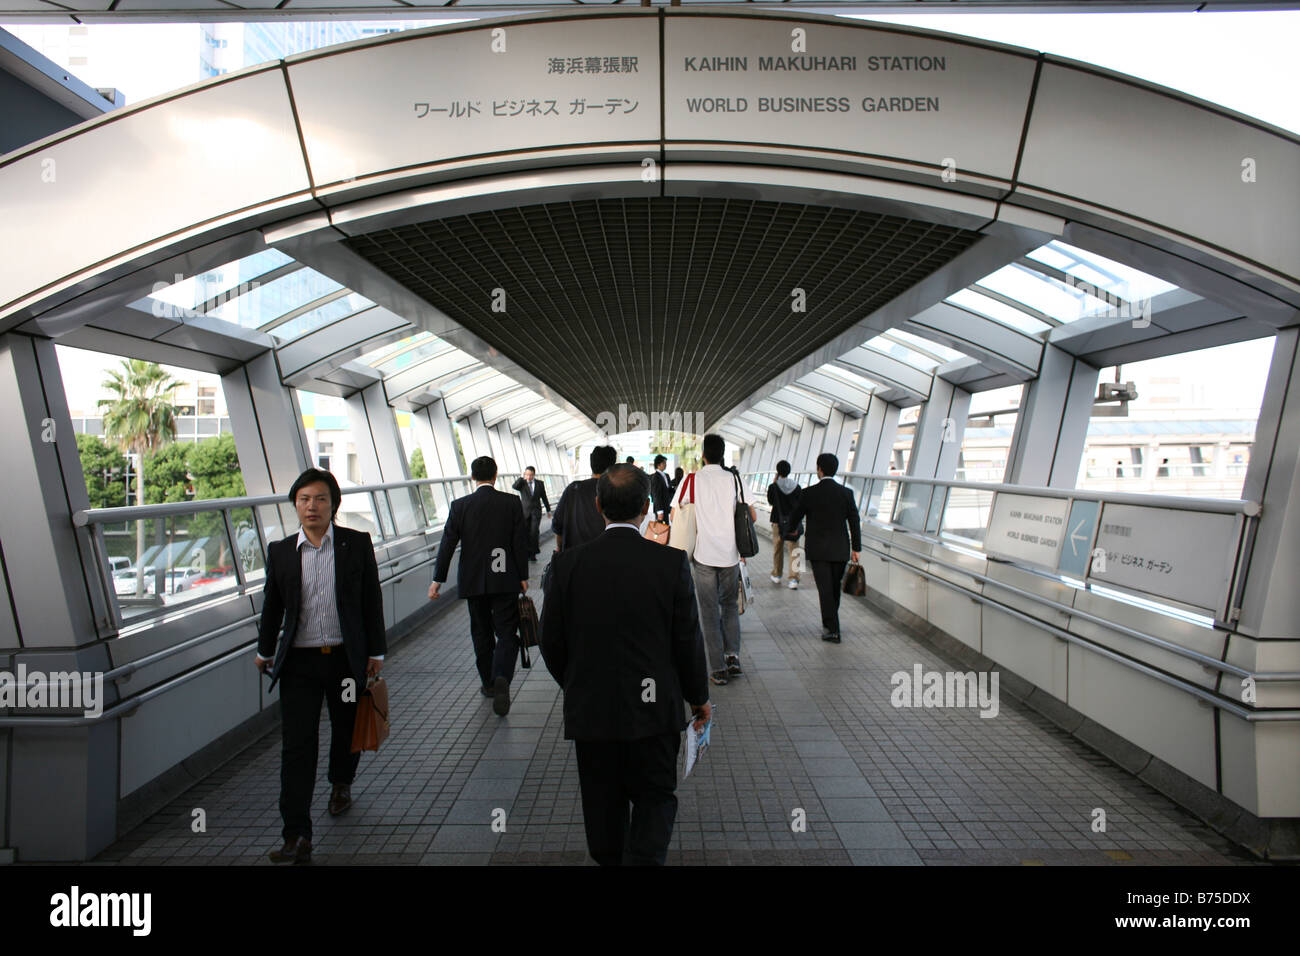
<point x="139" y="419"/>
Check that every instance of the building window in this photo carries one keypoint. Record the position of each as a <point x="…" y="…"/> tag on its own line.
<point x="323" y="455"/>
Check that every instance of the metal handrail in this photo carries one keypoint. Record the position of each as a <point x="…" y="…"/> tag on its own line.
<point x="90" y="516"/>
<point x="1213" y="505"/>
<point x="124" y="671"/>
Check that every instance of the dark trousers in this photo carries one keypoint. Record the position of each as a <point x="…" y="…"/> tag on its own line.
<point x="829" y="576"/>
<point x="534" y="518"/>
<point x="494" y="627"/>
<point x="614" y="773"/>
<point x="306" y="678"/>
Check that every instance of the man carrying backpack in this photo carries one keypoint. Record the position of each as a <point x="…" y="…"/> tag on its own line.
<point x="783" y="495"/>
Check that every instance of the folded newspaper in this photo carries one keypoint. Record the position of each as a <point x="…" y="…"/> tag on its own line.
<point x="697" y="741"/>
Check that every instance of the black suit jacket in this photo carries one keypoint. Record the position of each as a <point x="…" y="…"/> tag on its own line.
<point x="489" y="526"/>
<point x="533" y="502"/>
<point x="832" y="516"/>
<point x="356" y="590"/>
<point x="621" y="610"/>
<point x="661" y="492"/>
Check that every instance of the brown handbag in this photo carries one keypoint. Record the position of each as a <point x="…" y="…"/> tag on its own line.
<point x="658" y="531"/>
<point x="371" y="727"/>
<point x="855" y="580"/>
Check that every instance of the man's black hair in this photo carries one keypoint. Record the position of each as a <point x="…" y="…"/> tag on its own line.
<point x="828" y="463"/>
<point x="602" y="456"/>
<point x="621" y="490"/>
<point x="660" y="460"/>
<point x="783" y="468"/>
<point x="483" y="469"/>
<point x="630" y="460"/>
<point x="312" y="475"/>
<point x="532" y="469"/>
<point x="713" y="448"/>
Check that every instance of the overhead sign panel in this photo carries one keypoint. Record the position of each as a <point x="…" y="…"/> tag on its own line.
<point x="841" y="87"/>
<point x="1026" y="528"/>
<point x="478" y="91"/>
<point x="1186" y="556"/>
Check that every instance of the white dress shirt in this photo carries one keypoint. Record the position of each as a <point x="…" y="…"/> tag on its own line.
<point x="715" y="516"/>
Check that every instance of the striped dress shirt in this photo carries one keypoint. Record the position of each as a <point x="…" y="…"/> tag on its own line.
<point x="318" y="611"/>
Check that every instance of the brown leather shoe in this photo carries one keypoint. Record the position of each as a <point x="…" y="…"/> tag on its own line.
<point x="295" y="850"/>
<point x="340" y="799"/>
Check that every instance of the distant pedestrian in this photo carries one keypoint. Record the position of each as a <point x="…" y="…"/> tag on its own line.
<point x="782" y="495"/>
<point x="661" y="489"/>
<point x="532" y="495"/>
<point x="715" y="564"/>
<point x="493" y="570"/>
<point x="576" y="520"/>
<point x="678" y="474"/>
<point x="834" y="534"/>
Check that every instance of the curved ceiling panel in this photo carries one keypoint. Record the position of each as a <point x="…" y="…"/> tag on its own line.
<point x="662" y="305"/>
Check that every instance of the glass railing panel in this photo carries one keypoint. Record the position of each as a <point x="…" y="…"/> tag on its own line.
<point x="967" y="513"/>
<point x="248" y="548"/>
<point x="184" y="558"/>
<point x="912" y="506"/>
<point x="358" y="513"/>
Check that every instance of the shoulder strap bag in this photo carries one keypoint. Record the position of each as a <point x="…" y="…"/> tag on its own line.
<point x="746" y="534"/>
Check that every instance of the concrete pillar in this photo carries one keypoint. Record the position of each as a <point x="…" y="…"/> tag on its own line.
<point x="479" y="432"/>
<point x="433" y="432"/>
<point x="876" y="434"/>
<point x="1052" y="426"/>
<point x="58" y="786"/>
<point x="935" y="451"/>
<point x="381" y="456"/>
<point x="803" y="454"/>
<point x="1271" y="602"/>
<point x="267" y="424"/>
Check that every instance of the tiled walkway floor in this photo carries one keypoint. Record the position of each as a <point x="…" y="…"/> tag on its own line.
<point x="807" y="736"/>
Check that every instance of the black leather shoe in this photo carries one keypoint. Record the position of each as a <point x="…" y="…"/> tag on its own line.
<point x="833" y="637"/>
<point x="340" y="799"/>
<point x="501" y="697"/>
<point x="295" y="850"/>
<point x="487" y="691"/>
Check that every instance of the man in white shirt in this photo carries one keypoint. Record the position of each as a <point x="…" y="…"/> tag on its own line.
<point x="715" y="565"/>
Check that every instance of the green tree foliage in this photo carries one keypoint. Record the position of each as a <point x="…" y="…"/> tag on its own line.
<point x="166" y="474"/>
<point x="417" y="464"/>
<point x="214" y="465"/>
<point x="105" y="469"/>
<point x="685" y="447"/>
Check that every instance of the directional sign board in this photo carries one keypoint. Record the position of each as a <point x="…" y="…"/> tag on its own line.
<point x="1183" y="555"/>
<point x="1078" y="537"/>
<point x="1026" y="528"/>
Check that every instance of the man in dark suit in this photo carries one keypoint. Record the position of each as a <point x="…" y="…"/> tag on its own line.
<point x="489" y="526"/>
<point x="576" y="519"/>
<point x="621" y="635"/>
<point x="532" y="495"/>
<point x="661" y="489"/>
<point x="323" y="584"/>
<point x="832" y="518"/>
